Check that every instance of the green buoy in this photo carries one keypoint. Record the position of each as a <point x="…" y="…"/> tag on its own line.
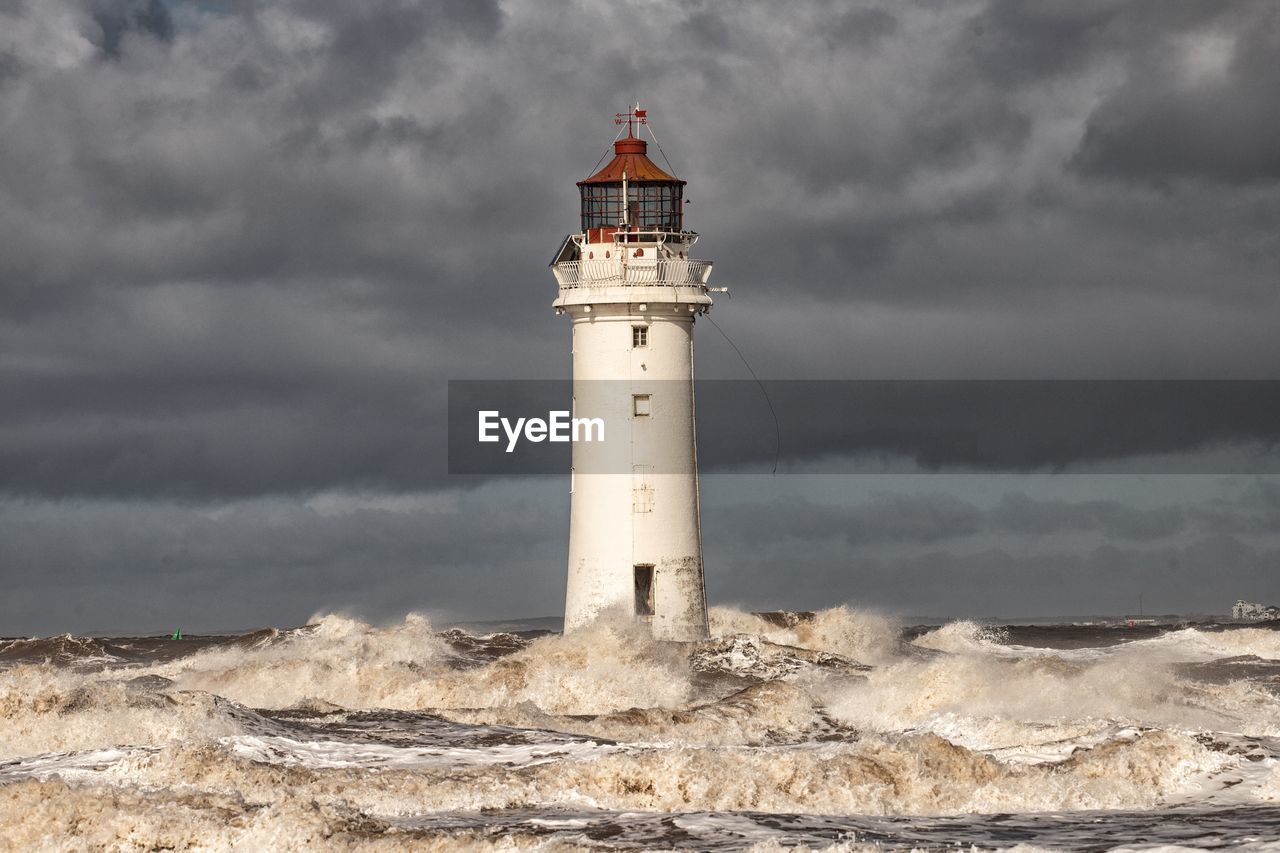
<point x="177" y="635"/>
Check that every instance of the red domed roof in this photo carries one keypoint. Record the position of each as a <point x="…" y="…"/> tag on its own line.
<point x="629" y="156"/>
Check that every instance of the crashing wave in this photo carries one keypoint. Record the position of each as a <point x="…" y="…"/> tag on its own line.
<point x="346" y="730"/>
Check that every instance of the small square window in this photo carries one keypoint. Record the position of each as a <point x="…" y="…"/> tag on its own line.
<point x="639" y="336"/>
<point x="640" y="405"/>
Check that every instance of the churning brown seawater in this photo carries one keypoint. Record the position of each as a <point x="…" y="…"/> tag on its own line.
<point x="843" y="730"/>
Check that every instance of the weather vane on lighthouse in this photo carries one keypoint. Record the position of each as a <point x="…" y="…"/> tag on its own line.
<point x="634" y="117"/>
<point x="633" y="293"/>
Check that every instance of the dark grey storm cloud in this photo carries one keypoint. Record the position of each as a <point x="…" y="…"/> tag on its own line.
<point x="1004" y="583"/>
<point x="244" y="246"/>
<point x="495" y="552"/>
<point x="1222" y="128"/>
<point x="993" y="425"/>
<point x="77" y="566"/>
<point x="929" y="517"/>
<point x="115" y="20"/>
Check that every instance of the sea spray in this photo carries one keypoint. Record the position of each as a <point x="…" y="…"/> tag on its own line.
<point x="347" y="734"/>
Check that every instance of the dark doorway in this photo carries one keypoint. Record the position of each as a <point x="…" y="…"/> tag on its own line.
<point x="644" y="590"/>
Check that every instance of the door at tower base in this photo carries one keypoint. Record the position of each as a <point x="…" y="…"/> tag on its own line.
<point x="644" y="590"/>
<point x="632" y="292"/>
<point x="667" y="595"/>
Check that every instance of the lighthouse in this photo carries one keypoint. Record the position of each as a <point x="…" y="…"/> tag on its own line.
<point x="633" y="293"/>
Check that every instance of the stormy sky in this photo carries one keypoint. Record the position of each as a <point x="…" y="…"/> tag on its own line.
<point x="245" y="246"/>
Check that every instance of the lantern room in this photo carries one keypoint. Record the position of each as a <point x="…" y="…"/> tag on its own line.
<point x="654" y="199"/>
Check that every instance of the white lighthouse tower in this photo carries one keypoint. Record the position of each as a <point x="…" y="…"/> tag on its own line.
<point x="633" y="293"/>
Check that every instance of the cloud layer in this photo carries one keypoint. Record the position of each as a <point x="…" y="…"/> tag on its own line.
<point x="243" y="246"/>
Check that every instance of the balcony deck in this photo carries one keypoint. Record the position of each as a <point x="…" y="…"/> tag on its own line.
<point x="633" y="272"/>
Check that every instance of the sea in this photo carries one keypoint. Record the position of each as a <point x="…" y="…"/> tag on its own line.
<point x="834" y="730"/>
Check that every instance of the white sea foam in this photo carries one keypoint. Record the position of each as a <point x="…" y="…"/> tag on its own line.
<point x="767" y="718"/>
<point x="323" y="754"/>
<point x="857" y="635"/>
<point x="609" y="666"/>
<point x="1195" y="644"/>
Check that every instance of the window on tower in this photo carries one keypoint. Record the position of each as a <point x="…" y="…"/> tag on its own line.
<point x="640" y="405"/>
<point x="601" y="205"/>
<point x="639" y="336"/>
<point x="650" y="205"/>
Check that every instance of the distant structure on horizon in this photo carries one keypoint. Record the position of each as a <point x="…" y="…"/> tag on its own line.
<point x="633" y="292"/>
<point x="1248" y="611"/>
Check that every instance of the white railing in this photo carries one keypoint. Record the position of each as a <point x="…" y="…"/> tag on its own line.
<point x="633" y="272"/>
